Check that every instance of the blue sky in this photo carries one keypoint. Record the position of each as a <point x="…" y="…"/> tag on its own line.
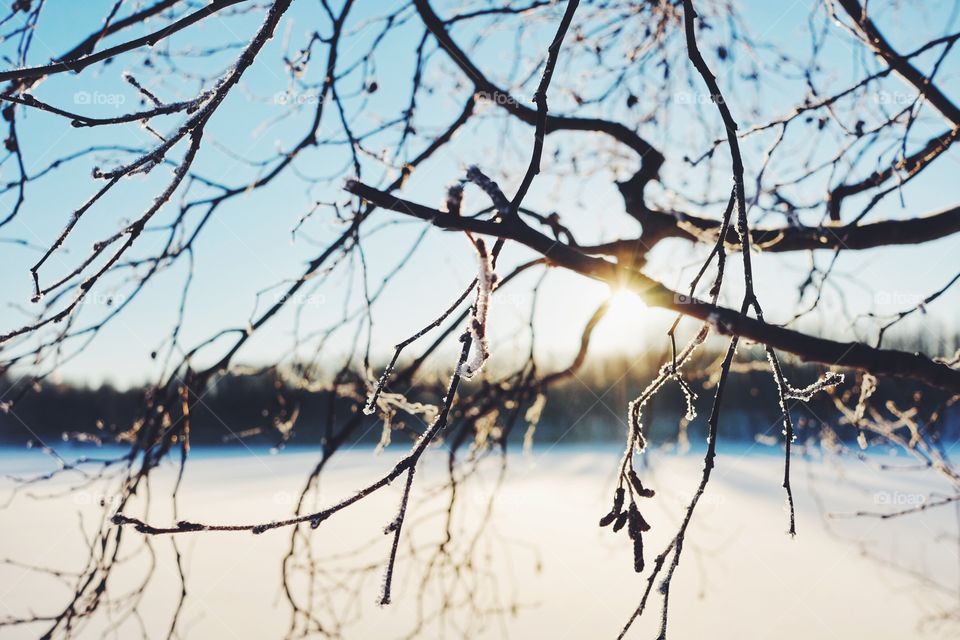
<point x="247" y="246"/>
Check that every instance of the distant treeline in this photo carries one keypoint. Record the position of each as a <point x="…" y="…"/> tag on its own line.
<point x="590" y="406"/>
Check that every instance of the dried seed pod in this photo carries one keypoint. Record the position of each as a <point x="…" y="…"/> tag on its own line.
<point x="643" y="523"/>
<point x="614" y="514"/>
<point x="633" y="521"/>
<point x="621" y="520"/>
<point x="607" y="519"/>
<point x="638" y="554"/>
<point x="618" y="500"/>
<point x="638" y="486"/>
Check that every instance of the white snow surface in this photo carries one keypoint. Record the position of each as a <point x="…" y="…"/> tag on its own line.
<point x="740" y="577"/>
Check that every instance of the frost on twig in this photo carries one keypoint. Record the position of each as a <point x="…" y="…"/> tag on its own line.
<point x="454" y="199"/>
<point x="629" y="483"/>
<point x="670" y="370"/>
<point x="387" y="405"/>
<point x="829" y="379"/>
<point x="867" y="388"/>
<point x="488" y="186"/>
<point x="532" y="416"/>
<point x="486" y="283"/>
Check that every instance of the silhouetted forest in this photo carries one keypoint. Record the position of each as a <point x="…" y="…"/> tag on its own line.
<point x="263" y="408"/>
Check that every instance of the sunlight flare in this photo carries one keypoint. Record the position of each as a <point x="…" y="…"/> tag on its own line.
<point x="626" y="306"/>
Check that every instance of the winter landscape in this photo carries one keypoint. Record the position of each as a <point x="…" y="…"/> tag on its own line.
<point x="479" y="319"/>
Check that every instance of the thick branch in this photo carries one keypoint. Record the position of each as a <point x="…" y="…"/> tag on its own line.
<point x="854" y="355"/>
<point x="652" y="159"/>
<point x="659" y="225"/>
<point x="907" y="167"/>
<point x="899" y="63"/>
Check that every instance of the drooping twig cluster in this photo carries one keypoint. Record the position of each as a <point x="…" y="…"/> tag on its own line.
<point x="632" y="517"/>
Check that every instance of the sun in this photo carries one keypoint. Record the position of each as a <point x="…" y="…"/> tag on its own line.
<point x="625" y="326"/>
<point x="627" y="319"/>
<point x="625" y="305"/>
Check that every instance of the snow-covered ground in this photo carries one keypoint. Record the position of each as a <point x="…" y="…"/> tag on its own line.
<point x="542" y="558"/>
